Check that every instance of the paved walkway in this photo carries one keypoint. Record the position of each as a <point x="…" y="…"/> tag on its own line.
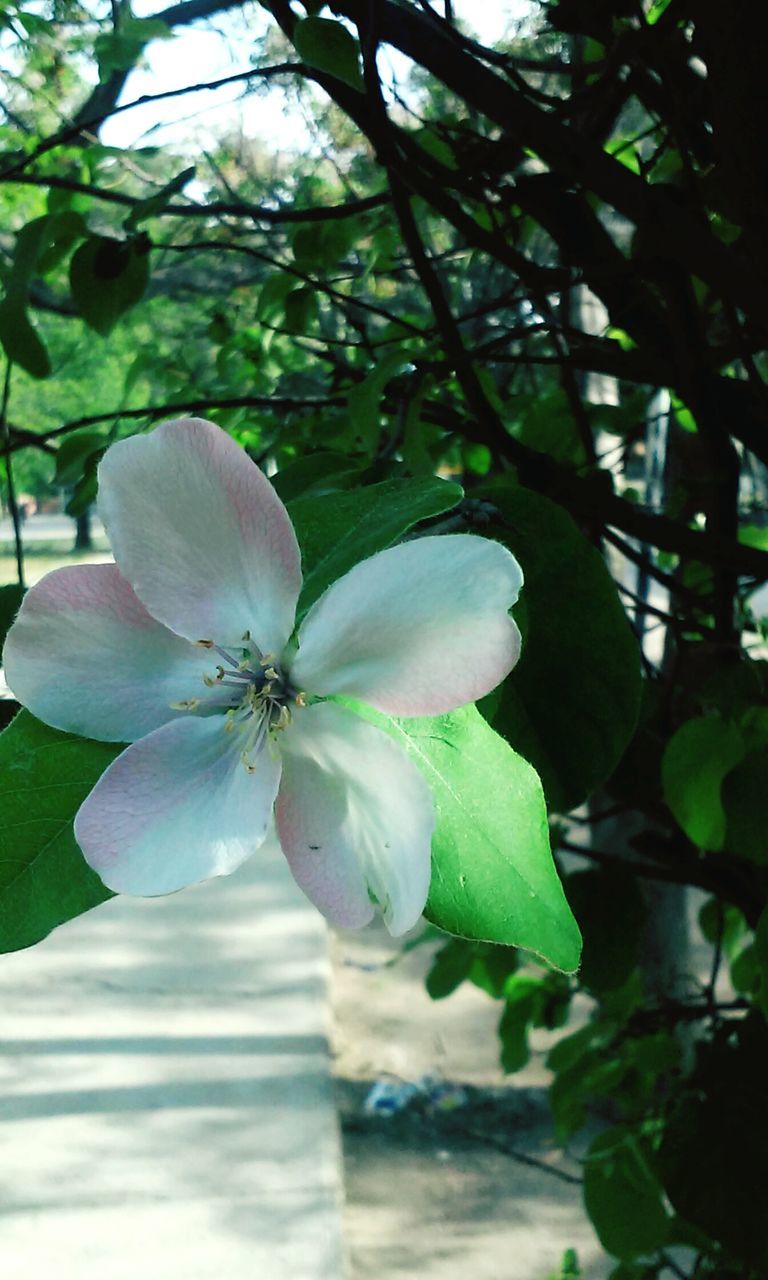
<point x="165" y="1098"/>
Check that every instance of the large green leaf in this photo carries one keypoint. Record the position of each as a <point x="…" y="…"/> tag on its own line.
<point x="337" y="530"/>
<point x="493" y="878"/>
<point x="571" y="704"/>
<point x="44" y="778"/>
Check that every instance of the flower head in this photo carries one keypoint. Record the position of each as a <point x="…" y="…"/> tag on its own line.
<point x="185" y="649"/>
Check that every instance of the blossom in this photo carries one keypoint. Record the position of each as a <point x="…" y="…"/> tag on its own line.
<point x="185" y="649"/>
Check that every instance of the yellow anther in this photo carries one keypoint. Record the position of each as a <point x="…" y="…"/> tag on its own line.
<point x="209" y="681"/>
<point x="300" y="700"/>
<point x="271" y="674"/>
<point x="187" y="704"/>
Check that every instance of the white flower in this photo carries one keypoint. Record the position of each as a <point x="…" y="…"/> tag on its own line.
<point x="184" y="649"/>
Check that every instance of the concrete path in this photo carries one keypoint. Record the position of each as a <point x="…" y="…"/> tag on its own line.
<point x="165" y="1097"/>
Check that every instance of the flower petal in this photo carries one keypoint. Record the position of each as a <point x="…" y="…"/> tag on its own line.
<point x="85" y="656"/>
<point x="177" y="807"/>
<point x="355" y="819"/>
<point x="201" y="535"/>
<point x="417" y="630"/>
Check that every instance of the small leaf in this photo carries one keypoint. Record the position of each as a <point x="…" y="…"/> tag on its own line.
<point x="622" y="1195"/>
<point x="158" y="202"/>
<point x="745" y="800"/>
<point x="364" y="400"/>
<point x="20" y="340"/>
<point x="522" y="994"/>
<point x="44" y="879"/>
<point x="118" y="50"/>
<point x="272" y="295"/>
<point x="449" y="968"/>
<point x="107" y="277"/>
<point x="315" y="473"/>
<point x="327" y="46"/>
<point x="73" y="453"/>
<point x="21" y="343"/>
<point x="338" y="530"/>
<point x="694" y="765"/>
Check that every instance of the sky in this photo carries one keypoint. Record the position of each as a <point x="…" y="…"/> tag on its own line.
<point x="210" y="51"/>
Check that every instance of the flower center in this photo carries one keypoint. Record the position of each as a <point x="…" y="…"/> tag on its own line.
<point x="253" y="693"/>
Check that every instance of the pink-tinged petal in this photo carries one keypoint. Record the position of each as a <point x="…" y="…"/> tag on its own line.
<point x="177" y="807"/>
<point x="85" y="656"/>
<point x="201" y="535"/>
<point x="417" y="630"/>
<point x="355" y="819"/>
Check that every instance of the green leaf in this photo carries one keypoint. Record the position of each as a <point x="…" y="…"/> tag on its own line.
<point x="107" y="277"/>
<point x="30" y="242"/>
<point x="328" y="46"/>
<point x="339" y="529"/>
<point x="492" y="967"/>
<point x="158" y="202"/>
<point x="571" y="704"/>
<point x="19" y="338"/>
<point x="315" y="473"/>
<point x="546" y="423"/>
<point x="761" y="960"/>
<point x="610" y="910"/>
<point x="622" y="1195"/>
<point x="21" y="343"/>
<point x="44" y="879"/>
<point x="73" y="452"/>
<point x="119" y="50"/>
<point x="493" y="877"/>
<point x="569" y="1267"/>
<point x="272" y="295"/>
<point x="449" y="968"/>
<point x="300" y="309"/>
<point x="745" y="800"/>
<point x="10" y="603"/>
<point x="364" y="400"/>
<point x="515" y="1023"/>
<point x="694" y="765"/>
<point x="714" y="1156"/>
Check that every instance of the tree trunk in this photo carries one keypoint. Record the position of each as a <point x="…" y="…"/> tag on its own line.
<point x="83" y="538"/>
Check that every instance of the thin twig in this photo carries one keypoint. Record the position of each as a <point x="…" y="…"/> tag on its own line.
<point x="521" y="1156"/>
<point x="13" y="505"/>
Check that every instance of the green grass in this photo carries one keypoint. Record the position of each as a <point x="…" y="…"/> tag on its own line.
<point x="41" y="557"/>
